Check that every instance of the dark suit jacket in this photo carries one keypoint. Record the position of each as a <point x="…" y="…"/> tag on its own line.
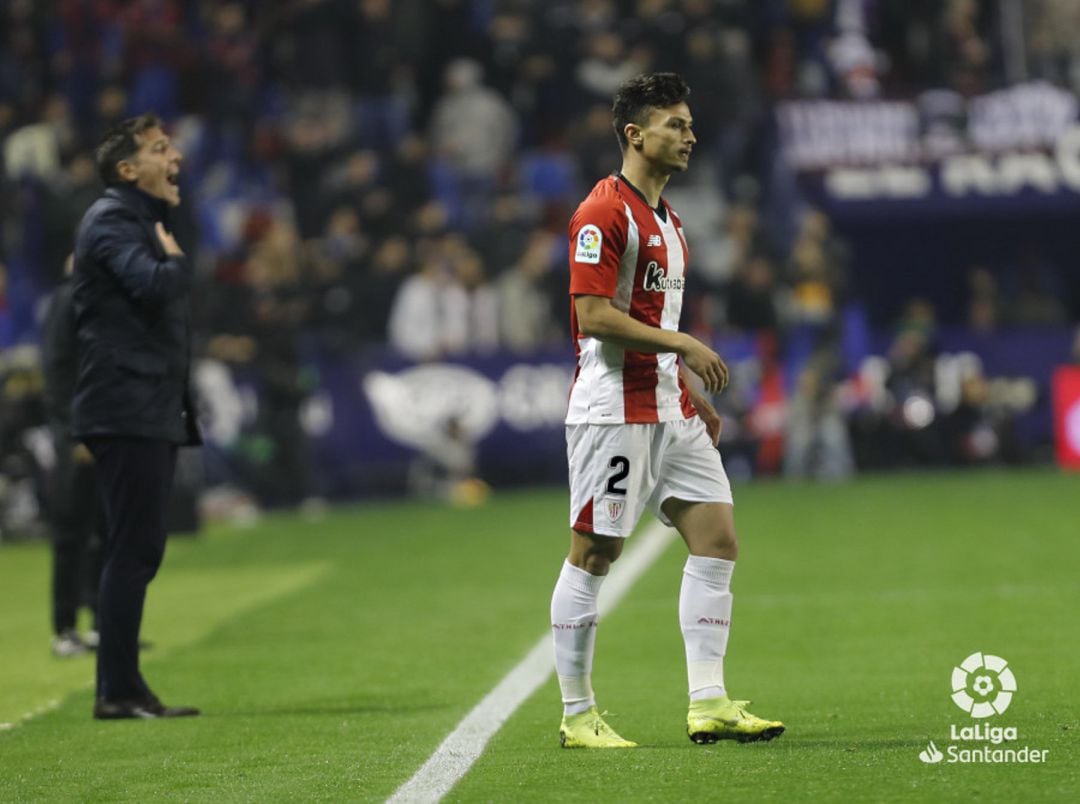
<point x="59" y="357"/>
<point x="133" y="324"/>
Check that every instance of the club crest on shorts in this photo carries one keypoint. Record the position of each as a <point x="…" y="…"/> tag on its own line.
<point x="614" y="508"/>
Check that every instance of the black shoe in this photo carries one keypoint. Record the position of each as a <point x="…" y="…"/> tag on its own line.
<point x="147" y="708"/>
<point x="68" y="643"/>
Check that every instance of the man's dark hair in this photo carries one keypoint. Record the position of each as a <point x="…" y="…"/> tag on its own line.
<point x="638" y="96"/>
<point x="120" y="143"/>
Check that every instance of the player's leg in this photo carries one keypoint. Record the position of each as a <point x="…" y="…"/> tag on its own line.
<point x="573" y="627"/>
<point x="606" y="503"/>
<point x="574" y="615"/>
<point x="705" y="598"/>
<point x="697" y="502"/>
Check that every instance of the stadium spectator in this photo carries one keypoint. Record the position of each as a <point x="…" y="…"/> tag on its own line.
<point x="980" y="430"/>
<point x="914" y="420"/>
<point x="379" y="287"/>
<point x="753" y="297"/>
<point x="816" y="441"/>
<point x="985" y="313"/>
<point x="475" y="311"/>
<point x="525" y="320"/>
<point x="473" y="132"/>
<point x="418" y="325"/>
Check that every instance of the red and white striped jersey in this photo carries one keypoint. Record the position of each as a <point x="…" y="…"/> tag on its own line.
<point x="625" y="250"/>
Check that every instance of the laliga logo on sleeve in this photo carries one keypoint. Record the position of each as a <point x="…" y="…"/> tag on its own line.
<point x="983" y="685"/>
<point x="589" y="240"/>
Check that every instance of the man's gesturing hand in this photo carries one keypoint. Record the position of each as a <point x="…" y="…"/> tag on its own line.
<point x="168" y="242"/>
<point x="705" y="363"/>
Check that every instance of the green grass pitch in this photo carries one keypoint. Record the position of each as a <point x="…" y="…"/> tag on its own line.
<point x="332" y="657"/>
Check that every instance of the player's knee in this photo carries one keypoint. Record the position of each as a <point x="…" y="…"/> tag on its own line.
<point x="599" y="563"/>
<point x="720" y="543"/>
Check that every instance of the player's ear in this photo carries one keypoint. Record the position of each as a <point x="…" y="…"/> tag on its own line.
<point x="634" y="135"/>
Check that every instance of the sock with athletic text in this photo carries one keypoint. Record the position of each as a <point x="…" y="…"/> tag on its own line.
<point x="573" y="628"/>
<point x="705" y="617"/>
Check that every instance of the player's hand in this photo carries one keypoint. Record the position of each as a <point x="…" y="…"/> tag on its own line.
<point x="714" y="424"/>
<point x="705" y="363"/>
<point x="168" y="242"/>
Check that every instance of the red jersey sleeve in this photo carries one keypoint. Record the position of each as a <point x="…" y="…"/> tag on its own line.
<point x="598" y="232"/>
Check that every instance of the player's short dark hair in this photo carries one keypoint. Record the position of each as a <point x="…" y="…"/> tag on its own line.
<point x="637" y="97"/>
<point x="121" y="143"/>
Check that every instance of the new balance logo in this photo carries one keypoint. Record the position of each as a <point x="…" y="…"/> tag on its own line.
<point x="656" y="279"/>
<point x="654" y="240"/>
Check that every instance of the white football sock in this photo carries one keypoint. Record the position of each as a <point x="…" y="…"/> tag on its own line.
<point x="573" y="627"/>
<point x="705" y="617"/>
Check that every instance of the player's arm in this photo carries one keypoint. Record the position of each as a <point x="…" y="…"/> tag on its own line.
<point x="598" y="318"/>
<point x="709" y="417"/>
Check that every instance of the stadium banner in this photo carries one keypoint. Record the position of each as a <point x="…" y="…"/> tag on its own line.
<point x="370" y="419"/>
<point x="1066" y="391"/>
<point x="938" y="153"/>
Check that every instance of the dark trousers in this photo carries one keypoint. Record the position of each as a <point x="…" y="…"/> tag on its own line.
<point x="78" y="536"/>
<point x="135" y="477"/>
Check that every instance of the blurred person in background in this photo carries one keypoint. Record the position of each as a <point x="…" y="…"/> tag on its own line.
<point x="525" y="320"/>
<point x="132" y="405"/>
<point x="980" y="430"/>
<point x="77" y="521"/>
<point x="445" y="469"/>
<point x="21" y="412"/>
<point x="753" y="297"/>
<point x="638" y="435"/>
<point x="473" y="133"/>
<point x="985" y="308"/>
<point x="475" y="315"/>
<point x="418" y="326"/>
<point x="389" y="266"/>
<point x="257" y="327"/>
<point x="816" y="441"/>
<point x="914" y="424"/>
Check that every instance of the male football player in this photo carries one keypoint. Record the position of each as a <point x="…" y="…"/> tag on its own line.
<point x="637" y="435"/>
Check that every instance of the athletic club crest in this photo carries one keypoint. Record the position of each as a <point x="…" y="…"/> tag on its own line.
<point x="615" y="508"/>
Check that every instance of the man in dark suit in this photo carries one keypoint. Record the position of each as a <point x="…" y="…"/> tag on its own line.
<point x="132" y="405"/>
<point x="77" y="534"/>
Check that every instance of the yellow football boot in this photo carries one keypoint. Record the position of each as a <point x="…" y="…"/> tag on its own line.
<point x="588" y="730"/>
<point x="713" y="719"/>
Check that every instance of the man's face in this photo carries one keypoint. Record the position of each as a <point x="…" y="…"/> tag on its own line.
<point x="667" y="138"/>
<point x="155" y="167"/>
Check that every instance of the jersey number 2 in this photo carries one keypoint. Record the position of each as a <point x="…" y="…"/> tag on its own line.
<point x="621" y="465"/>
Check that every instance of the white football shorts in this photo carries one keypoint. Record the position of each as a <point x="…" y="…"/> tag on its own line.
<point x="616" y="470"/>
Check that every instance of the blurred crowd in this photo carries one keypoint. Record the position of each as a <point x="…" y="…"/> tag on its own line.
<point x="367" y="172"/>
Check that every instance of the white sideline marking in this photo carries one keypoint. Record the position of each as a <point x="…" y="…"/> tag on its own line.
<point x="463" y="746"/>
<point x="45" y="708"/>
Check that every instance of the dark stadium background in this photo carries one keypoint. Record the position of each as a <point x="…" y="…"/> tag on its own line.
<point x="376" y="195"/>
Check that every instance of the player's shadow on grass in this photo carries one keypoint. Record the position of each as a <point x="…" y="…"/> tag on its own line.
<point x="851" y="747"/>
<point x="337" y="708"/>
